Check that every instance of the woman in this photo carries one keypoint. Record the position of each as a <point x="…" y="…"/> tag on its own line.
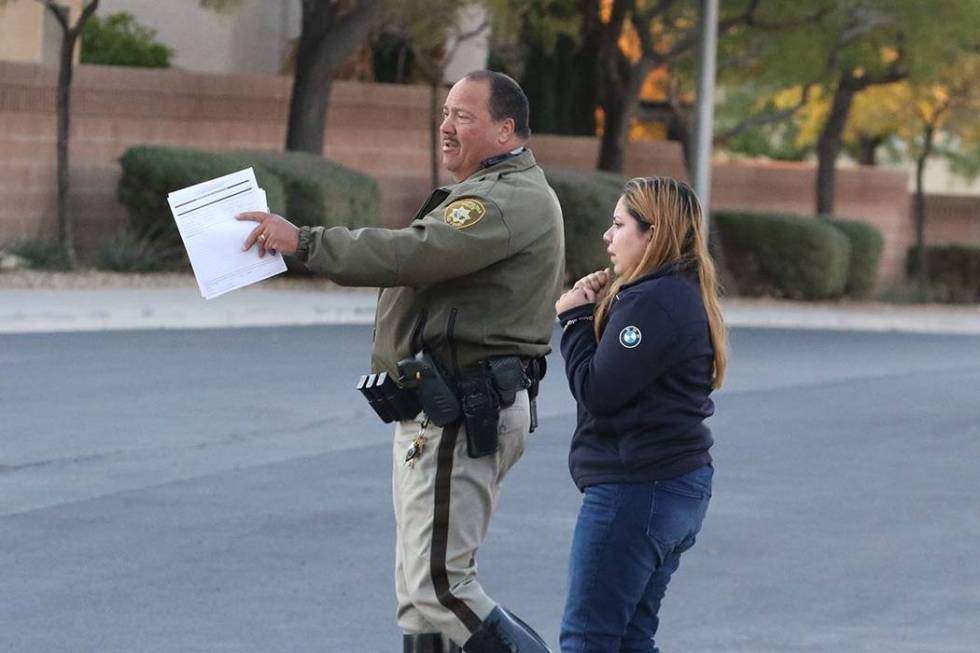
<point x="644" y="346"/>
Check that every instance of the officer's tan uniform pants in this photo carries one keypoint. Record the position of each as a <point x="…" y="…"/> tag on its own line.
<point x="443" y="505"/>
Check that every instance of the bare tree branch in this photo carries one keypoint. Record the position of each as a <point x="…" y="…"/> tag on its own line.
<point x="60" y="13"/>
<point x="765" y="118"/>
<point x="462" y="38"/>
<point x="86" y="14"/>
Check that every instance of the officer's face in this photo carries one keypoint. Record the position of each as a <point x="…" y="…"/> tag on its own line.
<point x="469" y="134"/>
<point x="626" y="240"/>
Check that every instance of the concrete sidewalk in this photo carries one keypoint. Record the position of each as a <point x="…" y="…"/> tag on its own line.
<point x="176" y="304"/>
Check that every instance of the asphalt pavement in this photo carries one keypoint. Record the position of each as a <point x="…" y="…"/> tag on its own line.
<point x="226" y="490"/>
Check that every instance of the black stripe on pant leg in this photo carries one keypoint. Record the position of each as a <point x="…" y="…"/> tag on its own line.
<point x="440" y="531"/>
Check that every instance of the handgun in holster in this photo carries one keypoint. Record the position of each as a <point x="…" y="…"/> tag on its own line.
<point x="536" y="369"/>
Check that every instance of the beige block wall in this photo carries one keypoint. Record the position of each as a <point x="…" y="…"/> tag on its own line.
<point x="953" y="219"/>
<point x="30" y="33"/>
<point x="378" y="129"/>
<point x="21" y="31"/>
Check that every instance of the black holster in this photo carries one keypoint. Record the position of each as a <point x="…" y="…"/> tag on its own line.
<point x="483" y="392"/>
<point x="481" y="414"/>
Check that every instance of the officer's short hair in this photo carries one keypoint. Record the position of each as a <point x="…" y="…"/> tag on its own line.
<point x="507" y="100"/>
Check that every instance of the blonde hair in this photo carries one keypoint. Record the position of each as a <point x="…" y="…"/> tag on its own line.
<point x="673" y="211"/>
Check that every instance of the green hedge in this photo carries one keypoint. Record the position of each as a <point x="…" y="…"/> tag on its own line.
<point x="308" y="189"/>
<point x="587" y="201"/>
<point x="867" y="245"/>
<point x="149" y="173"/>
<point x="320" y="192"/>
<point x="783" y="255"/>
<point x="953" y="271"/>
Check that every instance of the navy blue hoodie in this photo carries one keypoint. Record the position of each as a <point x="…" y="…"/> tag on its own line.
<point x="643" y="389"/>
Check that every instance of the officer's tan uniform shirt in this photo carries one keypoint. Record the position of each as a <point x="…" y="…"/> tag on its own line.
<point x="481" y="266"/>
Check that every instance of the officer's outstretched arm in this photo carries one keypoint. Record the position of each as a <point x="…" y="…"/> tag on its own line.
<point x="466" y="236"/>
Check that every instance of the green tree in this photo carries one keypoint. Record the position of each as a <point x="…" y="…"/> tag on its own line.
<point x="70" y="32"/>
<point x="118" y="40"/>
<point x="636" y="38"/>
<point x="854" y="46"/>
<point x="942" y="118"/>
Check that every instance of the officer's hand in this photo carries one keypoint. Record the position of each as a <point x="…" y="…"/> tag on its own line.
<point x="577" y="296"/>
<point x="274" y="233"/>
<point x="598" y="282"/>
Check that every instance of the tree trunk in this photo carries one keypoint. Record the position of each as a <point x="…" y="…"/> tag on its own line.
<point x="613" y="77"/>
<point x="311" y="89"/>
<point x="867" y="150"/>
<point x="679" y="129"/>
<point x="69" y="36"/>
<point x="612" y="146"/>
<point x="619" y="108"/>
<point x="922" y="272"/>
<point x="308" y="111"/>
<point x="829" y="146"/>
<point x="325" y="40"/>
<point x="66" y="237"/>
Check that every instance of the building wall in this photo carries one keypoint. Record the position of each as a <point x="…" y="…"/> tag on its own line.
<point x="254" y="38"/>
<point x="28" y="31"/>
<point x="378" y="129"/>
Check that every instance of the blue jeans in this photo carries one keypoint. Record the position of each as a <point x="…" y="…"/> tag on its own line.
<point x="628" y="541"/>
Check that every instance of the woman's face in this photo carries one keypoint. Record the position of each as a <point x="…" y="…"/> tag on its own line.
<point x="626" y="239"/>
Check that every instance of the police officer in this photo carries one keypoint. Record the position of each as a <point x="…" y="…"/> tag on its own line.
<point x="472" y="280"/>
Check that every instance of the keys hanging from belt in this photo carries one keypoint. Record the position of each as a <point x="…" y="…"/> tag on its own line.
<point x="418" y="444"/>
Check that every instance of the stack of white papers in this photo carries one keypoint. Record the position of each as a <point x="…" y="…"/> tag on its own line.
<point x="205" y="215"/>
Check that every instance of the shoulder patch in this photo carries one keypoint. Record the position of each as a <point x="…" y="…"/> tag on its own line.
<point x="630" y="337"/>
<point x="464" y="213"/>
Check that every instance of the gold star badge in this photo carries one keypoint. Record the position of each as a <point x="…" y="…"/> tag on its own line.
<point x="462" y="214"/>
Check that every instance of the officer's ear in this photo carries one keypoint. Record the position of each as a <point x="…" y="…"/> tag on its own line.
<point x="505" y="131"/>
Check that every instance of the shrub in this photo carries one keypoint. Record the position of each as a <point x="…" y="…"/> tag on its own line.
<point x="149" y="173"/>
<point x="587" y="201"/>
<point x="118" y="40"/>
<point x="783" y="255"/>
<point x="128" y="252"/>
<point x="953" y="271"/>
<point x="320" y="192"/>
<point x="867" y="245"/>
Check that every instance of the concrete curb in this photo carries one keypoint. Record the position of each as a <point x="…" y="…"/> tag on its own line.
<point x="53" y="311"/>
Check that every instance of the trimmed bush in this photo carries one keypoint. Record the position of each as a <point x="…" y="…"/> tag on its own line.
<point x="127" y="252"/>
<point x="867" y="244"/>
<point x="587" y="201"/>
<point x="149" y="173"/>
<point x="783" y="255"/>
<point x="320" y="192"/>
<point x="953" y="271"/>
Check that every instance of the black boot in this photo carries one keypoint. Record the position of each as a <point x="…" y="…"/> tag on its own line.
<point x="425" y="643"/>
<point x="502" y="632"/>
